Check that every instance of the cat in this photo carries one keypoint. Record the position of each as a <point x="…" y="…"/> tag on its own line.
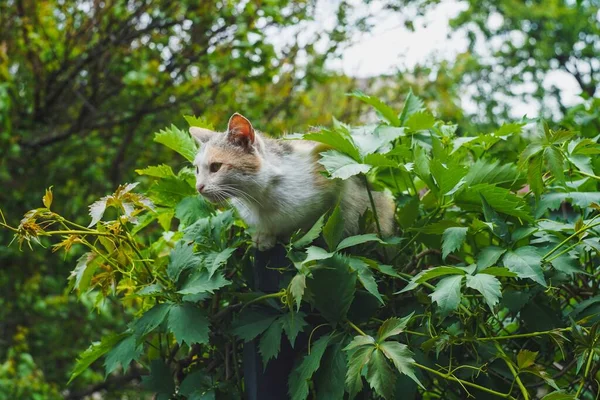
<point x="277" y="185"/>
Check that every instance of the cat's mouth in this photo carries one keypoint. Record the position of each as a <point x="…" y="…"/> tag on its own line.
<point x="215" y="196"/>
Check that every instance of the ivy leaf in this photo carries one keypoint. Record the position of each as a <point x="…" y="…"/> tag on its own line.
<point x="489" y="256"/>
<point x="498" y="198"/>
<point x="383" y="110"/>
<point x="402" y="358"/>
<point x="157" y="171"/>
<point x="365" y="276"/>
<point x="342" y="166"/>
<point x="392" y="327"/>
<point x="191" y="209"/>
<point x="333" y="230"/>
<point x="412" y="105"/>
<point x="499" y="226"/>
<point x="525" y="262"/>
<point x="252" y="323"/>
<point x="488" y="286"/>
<point x="567" y="264"/>
<point x="160" y="379"/>
<point x="177" y="140"/>
<point x="314" y="253"/>
<point x="311" y="235"/>
<point x="342" y="142"/>
<point x="534" y="176"/>
<point x="298" y="381"/>
<point x="333" y="301"/>
<point x="150" y="320"/>
<point x="198" y="122"/>
<point x="356" y="362"/>
<point x="297" y="286"/>
<point x="169" y="192"/>
<point x="123" y="353"/>
<point x="358" y="239"/>
<point x="270" y="342"/>
<point x="380" y="376"/>
<point x="559" y="395"/>
<point x="452" y="240"/>
<point x="447" y="293"/>
<point x="329" y="379"/>
<point x="429" y="274"/>
<point x="188" y="323"/>
<point x="214" y="260"/>
<point x="202" y="282"/>
<point x="293" y="323"/>
<point x="181" y="258"/>
<point x="526" y="358"/>
<point x="420" y="120"/>
<point x="555" y="161"/>
<point x="94" y="352"/>
<point x="82" y="275"/>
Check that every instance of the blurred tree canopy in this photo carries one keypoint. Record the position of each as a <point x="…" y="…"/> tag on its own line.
<point x="83" y="84"/>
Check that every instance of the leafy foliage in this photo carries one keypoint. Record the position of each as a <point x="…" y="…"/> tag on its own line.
<point x="474" y="295"/>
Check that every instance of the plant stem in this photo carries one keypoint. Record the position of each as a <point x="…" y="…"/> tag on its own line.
<point x="558" y="246"/>
<point x="357" y="329"/>
<point x="265" y="297"/>
<point x="77" y="232"/>
<point x="522" y="335"/>
<point x="463" y="382"/>
<point x="514" y="373"/>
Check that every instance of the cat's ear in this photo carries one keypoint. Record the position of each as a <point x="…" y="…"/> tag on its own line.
<point x="201" y="135"/>
<point x="240" y="131"/>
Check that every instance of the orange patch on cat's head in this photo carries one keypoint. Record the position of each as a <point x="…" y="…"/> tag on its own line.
<point x="233" y="157"/>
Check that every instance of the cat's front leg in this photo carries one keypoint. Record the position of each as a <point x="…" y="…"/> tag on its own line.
<point x="263" y="240"/>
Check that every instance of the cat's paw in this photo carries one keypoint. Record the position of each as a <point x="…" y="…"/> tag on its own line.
<point x="263" y="241"/>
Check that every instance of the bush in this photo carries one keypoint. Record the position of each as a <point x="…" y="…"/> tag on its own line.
<point x="489" y="290"/>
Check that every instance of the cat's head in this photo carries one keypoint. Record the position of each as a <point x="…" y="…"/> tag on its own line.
<point x="228" y="164"/>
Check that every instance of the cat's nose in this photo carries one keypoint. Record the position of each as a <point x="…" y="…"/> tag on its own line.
<point x="200" y="187"/>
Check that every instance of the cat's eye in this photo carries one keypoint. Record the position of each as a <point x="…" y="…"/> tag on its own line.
<point x="214" y="167"/>
<point x="197" y="170"/>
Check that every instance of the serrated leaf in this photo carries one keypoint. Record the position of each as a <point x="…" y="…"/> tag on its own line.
<point x="333" y="230"/>
<point x="123" y="354"/>
<point x="555" y="161"/>
<point x="150" y="320"/>
<point x="383" y="110"/>
<point x="202" y="282"/>
<point x="342" y="166"/>
<point x="420" y="120"/>
<point x="314" y="253"/>
<point x="181" y="258"/>
<point x="526" y="358"/>
<point x="380" y="376"/>
<point x="560" y="395"/>
<point x="447" y="293"/>
<point x="402" y="358"/>
<point x="499" y="226"/>
<point x="526" y="263"/>
<point x="494" y="172"/>
<point x="293" y="323"/>
<point x="169" y="192"/>
<point x="311" y="235"/>
<point x="177" y="140"/>
<point x="252" y="323"/>
<point x="500" y="199"/>
<point x="270" y="342"/>
<point x="365" y="276"/>
<point x="157" y="171"/>
<point x="429" y="274"/>
<point x="392" y="327"/>
<point x="191" y="209"/>
<point x="329" y="378"/>
<point x="298" y="381"/>
<point x="333" y="301"/>
<point x="488" y="286"/>
<point x="188" y="324"/>
<point x="160" y="379"/>
<point x="412" y="105"/>
<point x="534" y="176"/>
<point x="568" y="264"/>
<point x="552" y="201"/>
<point x="356" y="362"/>
<point x="358" y="239"/>
<point x="452" y="240"/>
<point x="489" y="256"/>
<point x="198" y="122"/>
<point x="499" y="271"/>
<point x="342" y="142"/>
<point x="297" y="286"/>
<point x="86" y="266"/>
<point x="97" y="209"/>
<point x="94" y="352"/>
<point x="214" y="260"/>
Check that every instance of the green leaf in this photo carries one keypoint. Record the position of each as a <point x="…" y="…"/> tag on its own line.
<point x="534" y="176"/>
<point x="86" y="266"/>
<point x="559" y="395"/>
<point x="188" y="324"/>
<point x="365" y="276"/>
<point x="342" y="142"/>
<point x="329" y="378"/>
<point x="447" y="293"/>
<point x="97" y="209"/>
<point x="333" y="230"/>
<point x="191" y="209"/>
<point x="380" y="376"/>
<point x="198" y="122"/>
<point x="94" y="352"/>
<point x="499" y="271"/>
<point x="181" y="258"/>
<point x="488" y="286"/>
<point x="150" y="320"/>
<point x="452" y="240"/>
<point x="421" y="166"/>
<point x="358" y="239"/>
<point x="297" y="286"/>
<point x="311" y="235"/>
<point x="420" y="121"/>
<point x="300" y="376"/>
<point x="252" y="323"/>
<point x="431" y="273"/>
<point x="568" y="264"/>
<point x="402" y="358"/>
<point x="555" y="161"/>
<point x="214" y="260"/>
<point x="525" y="262"/>
<point x="270" y="342"/>
<point x="500" y="199"/>
<point x="526" y="358"/>
<point x="552" y="201"/>
<point x="123" y="353"/>
<point x="356" y="362"/>
<point x="160" y="379"/>
<point x="293" y="323"/>
<point x="177" y="140"/>
<point x="437" y="228"/>
<point x="489" y="256"/>
<point x="383" y="110"/>
<point x="392" y="327"/>
<point x="499" y="226"/>
<point x="494" y="172"/>
<point x="333" y="301"/>
<point x="314" y="253"/>
<point x="169" y="192"/>
<point x="157" y="171"/>
<point x="412" y="105"/>
<point x="202" y="282"/>
<point x="342" y="166"/>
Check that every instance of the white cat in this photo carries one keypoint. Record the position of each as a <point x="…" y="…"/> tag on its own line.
<point x="277" y="185"/>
